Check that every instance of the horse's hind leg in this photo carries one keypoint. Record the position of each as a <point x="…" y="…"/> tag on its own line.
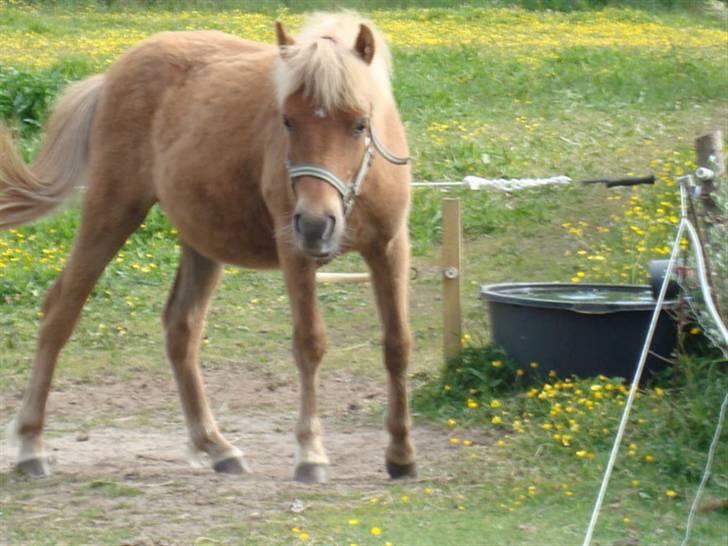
<point x="105" y="226"/>
<point x="183" y="319"/>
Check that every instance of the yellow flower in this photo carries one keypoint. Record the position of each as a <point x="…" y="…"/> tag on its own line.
<point x="496" y="363"/>
<point x="495" y="404"/>
<point x="353" y="521"/>
<point x="496" y="420"/>
<point x="671" y="493"/>
<point x="695" y="331"/>
<point x="467" y="442"/>
<point x="519" y="372"/>
<point x="500" y="443"/>
<point x="405" y="498"/>
<point x="303" y="536"/>
<point x="472" y="404"/>
<point x="534" y="365"/>
<point x="451" y="422"/>
<point x="635" y="483"/>
<point x="454" y="440"/>
<point x="649" y="458"/>
<point x="376" y="531"/>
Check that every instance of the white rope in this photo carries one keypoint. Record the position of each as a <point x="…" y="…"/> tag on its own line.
<point x="703" y="279"/>
<point x="706" y="472"/>
<point x="505" y="184"/>
<point x="633" y="388"/>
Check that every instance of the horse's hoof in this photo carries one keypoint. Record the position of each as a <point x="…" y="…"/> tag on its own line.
<point x="231" y="465"/>
<point x="397" y="471"/>
<point x="311" y="473"/>
<point x="35" y="468"/>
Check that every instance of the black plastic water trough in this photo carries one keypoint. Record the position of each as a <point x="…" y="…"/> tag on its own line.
<point x="581" y="329"/>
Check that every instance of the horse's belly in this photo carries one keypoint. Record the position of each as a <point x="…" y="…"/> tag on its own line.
<point x="232" y="235"/>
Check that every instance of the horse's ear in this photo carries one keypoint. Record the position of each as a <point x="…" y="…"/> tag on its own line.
<point x="364" y="45"/>
<point x="284" y="39"/>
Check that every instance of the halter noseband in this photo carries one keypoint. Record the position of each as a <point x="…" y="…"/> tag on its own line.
<point x="348" y="192"/>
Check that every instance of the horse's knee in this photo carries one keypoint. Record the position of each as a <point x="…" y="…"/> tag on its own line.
<point x="309" y="346"/>
<point x="397" y="349"/>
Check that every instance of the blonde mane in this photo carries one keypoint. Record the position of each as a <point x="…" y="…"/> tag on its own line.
<point x="324" y="63"/>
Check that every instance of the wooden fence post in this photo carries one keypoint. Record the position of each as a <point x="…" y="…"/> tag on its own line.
<point x="709" y="151"/>
<point x="452" y="241"/>
<point x="713" y="220"/>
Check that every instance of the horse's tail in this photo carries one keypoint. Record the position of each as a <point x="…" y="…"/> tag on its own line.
<point x="29" y="192"/>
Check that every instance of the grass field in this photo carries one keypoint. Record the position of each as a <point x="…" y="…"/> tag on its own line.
<point x="486" y="91"/>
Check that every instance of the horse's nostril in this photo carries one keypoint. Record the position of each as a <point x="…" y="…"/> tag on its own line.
<point x="330" y="225"/>
<point x="297" y="224"/>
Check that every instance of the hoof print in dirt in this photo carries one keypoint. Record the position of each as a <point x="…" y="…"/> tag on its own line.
<point x="231" y="465"/>
<point x="35" y="468"/>
<point x="311" y="473"/>
<point x="400" y="471"/>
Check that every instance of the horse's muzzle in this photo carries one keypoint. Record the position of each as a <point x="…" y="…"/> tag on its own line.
<point x="316" y="234"/>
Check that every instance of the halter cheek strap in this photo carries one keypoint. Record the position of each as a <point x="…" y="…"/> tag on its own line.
<point x="348" y="192"/>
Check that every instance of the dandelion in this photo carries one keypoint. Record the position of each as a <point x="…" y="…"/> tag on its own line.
<point x="671" y="493"/>
<point x="472" y="404"/>
<point x="649" y="458"/>
<point x="303" y="536"/>
<point x="405" y="498"/>
<point x="495" y="404"/>
<point x="454" y="440"/>
<point x="695" y="331"/>
<point x="353" y="521"/>
<point x="451" y="422"/>
<point x="534" y="365"/>
<point x="467" y="443"/>
<point x="496" y="420"/>
<point x="376" y="531"/>
<point x="496" y="363"/>
<point x="635" y="483"/>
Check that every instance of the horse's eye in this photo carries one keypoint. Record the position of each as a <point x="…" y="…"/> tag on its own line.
<point x="361" y="127"/>
<point x="287" y="122"/>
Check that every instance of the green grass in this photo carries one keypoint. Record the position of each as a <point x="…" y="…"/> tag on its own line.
<point x="584" y="111"/>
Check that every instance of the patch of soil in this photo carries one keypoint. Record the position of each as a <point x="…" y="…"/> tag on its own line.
<point x="131" y="435"/>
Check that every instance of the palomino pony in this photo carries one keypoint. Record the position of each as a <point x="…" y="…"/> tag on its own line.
<point x="261" y="156"/>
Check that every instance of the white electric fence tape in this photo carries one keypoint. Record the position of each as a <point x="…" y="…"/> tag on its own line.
<point x="505" y="184"/>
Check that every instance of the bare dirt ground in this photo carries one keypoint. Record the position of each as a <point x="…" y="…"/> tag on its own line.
<point x="119" y="455"/>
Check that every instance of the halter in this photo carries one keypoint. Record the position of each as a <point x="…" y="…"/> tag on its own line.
<point x="348" y="192"/>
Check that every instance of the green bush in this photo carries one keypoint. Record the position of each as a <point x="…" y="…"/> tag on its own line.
<point x="25" y="97"/>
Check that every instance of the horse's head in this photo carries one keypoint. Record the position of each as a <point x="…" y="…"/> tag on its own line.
<point x="326" y="91"/>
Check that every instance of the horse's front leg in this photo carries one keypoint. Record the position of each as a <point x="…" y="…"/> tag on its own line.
<point x="389" y="266"/>
<point x="309" y="345"/>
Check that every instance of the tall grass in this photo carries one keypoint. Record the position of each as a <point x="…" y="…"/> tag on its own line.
<point x="268" y="6"/>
